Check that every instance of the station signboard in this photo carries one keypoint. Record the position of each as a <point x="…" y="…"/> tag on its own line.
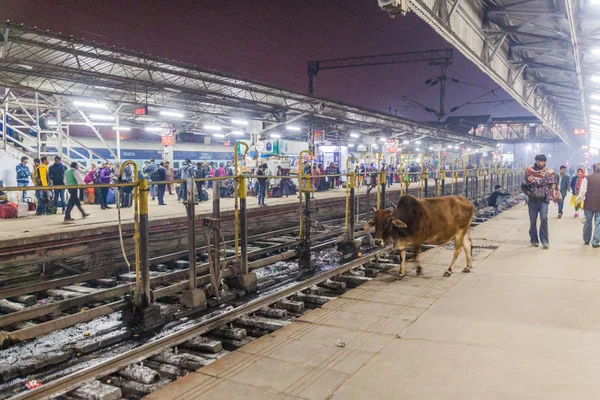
<point x="579" y="132"/>
<point x="141" y="110"/>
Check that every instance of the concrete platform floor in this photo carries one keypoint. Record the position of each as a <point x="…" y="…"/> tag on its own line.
<point x="35" y="225"/>
<point x="523" y="324"/>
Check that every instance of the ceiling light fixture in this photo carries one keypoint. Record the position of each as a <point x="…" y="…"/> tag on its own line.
<point x="168" y="113"/>
<point x="293" y="128"/>
<point x="275" y="135"/>
<point x="240" y="122"/>
<point x="89" y="104"/>
<point x="212" y="127"/>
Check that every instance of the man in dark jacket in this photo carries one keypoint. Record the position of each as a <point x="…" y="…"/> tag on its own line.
<point x="539" y="184"/>
<point x="589" y="194"/>
<point x="162" y="176"/>
<point x="57" y="177"/>
<point x="498" y="197"/>
<point x="199" y="173"/>
<point x="563" y="185"/>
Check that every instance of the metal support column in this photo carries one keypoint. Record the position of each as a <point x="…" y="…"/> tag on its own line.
<point x="305" y="261"/>
<point x="243" y="225"/>
<point x="382" y="181"/>
<point x="144" y="277"/>
<point x="216" y="239"/>
<point x="425" y="178"/>
<point x="191" y="215"/>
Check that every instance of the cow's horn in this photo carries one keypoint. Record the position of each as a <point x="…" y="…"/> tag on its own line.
<point x="374" y="209"/>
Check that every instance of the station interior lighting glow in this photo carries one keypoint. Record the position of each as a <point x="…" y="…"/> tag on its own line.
<point x="52" y="122"/>
<point x="218" y="135"/>
<point x="355" y="135"/>
<point x="212" y="127"/>
<point x="237" y="133"/>
<point x="405" y="141"/>
<point x="102" y="117"/>
<point x="595" y="96"/>
<point x="374" y="146"/>
<point x="275" y="135"/>
<point x="418" y="142"/>
<point x="171" y="114"/>
<point x="350" y="144"/>
<point x="293" y="128"/>
<point x="417" y="149"/>
<point x="239" y="122"/>
<point x="595" y="78"/>
<point x="382" y="139"/>
<point x="122" y="128"/>
<point x="153" y="129"/>
<point x="89" y="104"/>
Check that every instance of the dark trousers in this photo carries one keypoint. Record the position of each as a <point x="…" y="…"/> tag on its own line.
<point x="199" y="187"/>
<point x="103" y="194"/>
<point x="41" y="202"/>
<point x="73" y="201"/>
<point x="560" y="206"/>
<point x="540" y="208"/>
<point x="161" y="193"/>
<point x="183" y="191"/>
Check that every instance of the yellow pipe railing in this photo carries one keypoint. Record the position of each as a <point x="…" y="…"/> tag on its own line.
<point x="136" y="217"/>
<point x="238" y="177"/>
<point x="300" y="177"/>
<point x="349" y="185"/>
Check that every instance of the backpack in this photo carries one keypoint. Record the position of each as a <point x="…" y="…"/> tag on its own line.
<point x="36" y="177"/>
<point x="97" y="176"/>
<point x="154" y="175"/>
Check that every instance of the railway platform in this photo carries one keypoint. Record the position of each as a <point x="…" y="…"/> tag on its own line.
<point x="42" y="225"/>
<point x="521" y="325"/>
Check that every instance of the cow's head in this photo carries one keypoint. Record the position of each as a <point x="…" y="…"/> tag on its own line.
<point x="387" y="226"/>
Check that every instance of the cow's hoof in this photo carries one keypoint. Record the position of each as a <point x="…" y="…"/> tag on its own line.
<point x="466" y="270"/>
<point x="419" y="271"/>
<point x="400" y="277"/>
<point x="447" y="274"/>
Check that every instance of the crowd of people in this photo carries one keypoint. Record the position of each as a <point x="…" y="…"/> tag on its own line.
<point x="542" y="185"/>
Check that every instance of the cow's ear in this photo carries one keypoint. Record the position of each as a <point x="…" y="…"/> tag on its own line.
<point x="397" y="223"/>
<point x="369" y="225"/>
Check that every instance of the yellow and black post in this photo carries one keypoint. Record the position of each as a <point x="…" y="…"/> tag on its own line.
<point x="144" y="284"/>
<point x="382" y="179"/>
<point x="305" y="260"/>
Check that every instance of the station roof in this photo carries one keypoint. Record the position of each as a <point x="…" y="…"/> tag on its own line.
<point x="554" y="45"/>
<point x="63" y="69"/>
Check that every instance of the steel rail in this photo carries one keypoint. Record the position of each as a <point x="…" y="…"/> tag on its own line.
<point x="72" y="381"/>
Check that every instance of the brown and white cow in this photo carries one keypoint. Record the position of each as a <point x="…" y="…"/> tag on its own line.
<point x="426" y="221"/>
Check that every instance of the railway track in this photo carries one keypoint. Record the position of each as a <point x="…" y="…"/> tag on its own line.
<point x="197" y="342"/>
<point x="62" y="306"/>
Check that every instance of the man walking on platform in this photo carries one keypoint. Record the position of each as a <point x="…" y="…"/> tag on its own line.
<point x="73" y="177"/>
<point x="563" y="184"/>
<point x="539" y="184"/>
<point x="589" y="194"/>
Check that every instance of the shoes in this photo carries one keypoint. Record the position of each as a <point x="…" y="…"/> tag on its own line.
<point x="535" y="244"/>
<point x="162" y="204"/>
<point x="545" y="246"/>
<point x="69" y="220"/>
<point x="559" y="215"/>
<point x="596" y="245"/>
<point x="86" y="215"/>
<point x="108" y="208"/>
<point x="586" y="243"/>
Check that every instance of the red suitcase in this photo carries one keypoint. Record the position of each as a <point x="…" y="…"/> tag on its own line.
<point x="7" y="211"/>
